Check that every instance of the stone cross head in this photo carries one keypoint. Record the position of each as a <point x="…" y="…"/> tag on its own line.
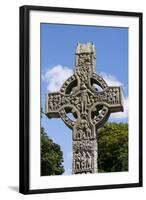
<point x="87" y="96"/>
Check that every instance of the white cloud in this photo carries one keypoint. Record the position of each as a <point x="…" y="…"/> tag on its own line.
<point x="111" y="80"/>
<point x="56" y="76"/>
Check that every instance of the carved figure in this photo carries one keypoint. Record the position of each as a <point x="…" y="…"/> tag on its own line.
<point x="88" y="160"/>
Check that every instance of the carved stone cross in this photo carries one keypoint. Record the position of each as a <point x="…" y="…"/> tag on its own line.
<point x="87" y="96"/>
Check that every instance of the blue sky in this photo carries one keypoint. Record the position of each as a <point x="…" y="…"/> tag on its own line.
<point x="58" y="46"/>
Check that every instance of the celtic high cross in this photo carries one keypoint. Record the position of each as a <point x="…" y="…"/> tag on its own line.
<point x="87" y="96"/>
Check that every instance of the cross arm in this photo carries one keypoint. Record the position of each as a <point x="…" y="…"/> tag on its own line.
<point x="58" y="105"/>
<point x="54" y="102"/>
<point x="112" y="97"/>
<point x="57" y="101"/>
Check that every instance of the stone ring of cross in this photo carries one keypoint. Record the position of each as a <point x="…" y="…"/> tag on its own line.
<point x="89" y="99"/>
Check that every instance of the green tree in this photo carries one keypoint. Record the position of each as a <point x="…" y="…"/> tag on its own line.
<point x="113" y="147"/>
<point x="51" y="156"/>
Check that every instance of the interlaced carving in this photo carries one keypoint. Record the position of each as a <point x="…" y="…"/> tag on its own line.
<point x="90" y="107"/>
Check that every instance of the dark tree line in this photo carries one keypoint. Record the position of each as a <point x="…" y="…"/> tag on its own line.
<point x="113" y="147"/>
<point x="51" y="156"/>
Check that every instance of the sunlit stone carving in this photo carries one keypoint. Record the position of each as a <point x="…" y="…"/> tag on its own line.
<point x="87" y="96"/>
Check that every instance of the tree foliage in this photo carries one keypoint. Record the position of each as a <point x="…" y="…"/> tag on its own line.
<point x="113" y="147"/>
<point x="51" y="156"/>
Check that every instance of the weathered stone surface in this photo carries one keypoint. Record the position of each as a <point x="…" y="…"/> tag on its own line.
<point x="87" y="96"/>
